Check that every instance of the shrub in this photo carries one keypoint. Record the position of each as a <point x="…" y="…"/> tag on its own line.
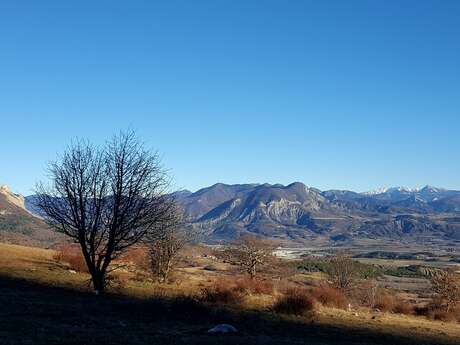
<point x="72" y="255"/>
<point x="366" y="293"/>
<point x="188" y="307"/>
<point x="295" y="302"/>
<point x="390" y="303"/>
<point x="254" y="286"/>
<point x="331" y="297"/>
<point x="446" y="284"/>
<point x="385" y="302"/>
<point x="436" y="310"/>
<point x="137" y="256"/>
<point x="404" y="307"/>
<point x="221" y="293"/>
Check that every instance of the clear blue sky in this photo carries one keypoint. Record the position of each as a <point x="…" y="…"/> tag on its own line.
<point x="336" y="94"/>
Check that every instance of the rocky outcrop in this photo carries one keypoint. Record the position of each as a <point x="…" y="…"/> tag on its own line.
<point x="11" y="197"/>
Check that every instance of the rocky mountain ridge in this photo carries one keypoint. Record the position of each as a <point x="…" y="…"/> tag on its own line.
<point x="299" y="213"/>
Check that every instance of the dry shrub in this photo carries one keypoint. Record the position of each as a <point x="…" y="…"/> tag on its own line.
<point x="390" y="303"/>
<point x="403" y="307"/>
<point x="221" y="293"/>
<point x="295" y="302"/>
<point x="385" y="302"/>
<point x="366" y="293"/>
<point x="443" y="315"/>
<point x="330" y="297"/>
<point x="436" y="310"/>
<point x="116" y="280"/>
<point x="137" y="256"/>
<point x="188" y="307"/>
<point x="140" y="277"/>
<point x="72" y="255"/>
<point x="254" y="286"/>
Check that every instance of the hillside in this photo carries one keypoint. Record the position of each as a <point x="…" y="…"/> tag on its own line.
<point x="43" y="302"/>
<point x="19" y="226"/>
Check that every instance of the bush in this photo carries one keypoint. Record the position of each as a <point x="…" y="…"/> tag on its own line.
<point x="295" y="302"/>
<point x="221" y="293"/>
<point x="72" y="255"/>
<point x="403" y="307"/>
<point x="390" y="303"/>
<point x="188" y="308"/>
<point x="385" y="302"/>
<point x="137" y="256"/>
<point x="254" y="286"/>
<point x="436" y="310"/>
<point x="330" y="297"/>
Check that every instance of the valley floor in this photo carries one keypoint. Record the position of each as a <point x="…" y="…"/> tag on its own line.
<point x="42" y="302"/>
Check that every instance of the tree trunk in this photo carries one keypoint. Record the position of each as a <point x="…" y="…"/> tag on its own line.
<point x="253" y="272"/>
<point x="98" y="282"/>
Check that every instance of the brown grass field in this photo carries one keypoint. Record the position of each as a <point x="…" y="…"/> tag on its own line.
<point x="43" y="302"/>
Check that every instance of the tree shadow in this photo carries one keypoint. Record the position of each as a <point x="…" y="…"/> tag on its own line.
<point x="33" y="313"/>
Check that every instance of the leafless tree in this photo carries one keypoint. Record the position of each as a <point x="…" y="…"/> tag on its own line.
<point x="165" y="245"/>
<point x="106" y="199"/>
<point x="249" y="253"/>
<point x="447" y="285"/>
<point x="341" y="272"/>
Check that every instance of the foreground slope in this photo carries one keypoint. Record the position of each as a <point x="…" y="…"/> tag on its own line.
<point x="42" y="303"/>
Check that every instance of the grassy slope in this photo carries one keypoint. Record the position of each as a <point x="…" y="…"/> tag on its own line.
<point x="43" y="303"/>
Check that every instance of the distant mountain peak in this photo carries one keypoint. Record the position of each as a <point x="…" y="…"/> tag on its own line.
<point x="432" y="189"/>
<point x="384" y="190"/>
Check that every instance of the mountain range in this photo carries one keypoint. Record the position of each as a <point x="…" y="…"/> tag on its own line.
<point x="295" y="214"/>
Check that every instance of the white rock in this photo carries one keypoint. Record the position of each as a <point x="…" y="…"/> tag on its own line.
<point x="223" y="328"/>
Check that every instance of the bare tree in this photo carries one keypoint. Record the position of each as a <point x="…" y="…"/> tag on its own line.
<point x="447" y="285"/>
<point x="106" y="199"/>
<point x="341" y="272"/>
<point x="165" y="245"/>
<point x="249" y="253"/>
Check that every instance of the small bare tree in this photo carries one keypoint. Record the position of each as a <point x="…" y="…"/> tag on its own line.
<point x="165" y="244"/>
<point x="106" y="199"/>
<point x="447" y="285"/>
<point x="341" y="272"/>
<point x="249" y="253"/>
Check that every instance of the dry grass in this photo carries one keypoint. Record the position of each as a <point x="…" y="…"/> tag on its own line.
<point x="72" y="255"/>
<point x="38" y="265"/>
<point x="254" y="286"/>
